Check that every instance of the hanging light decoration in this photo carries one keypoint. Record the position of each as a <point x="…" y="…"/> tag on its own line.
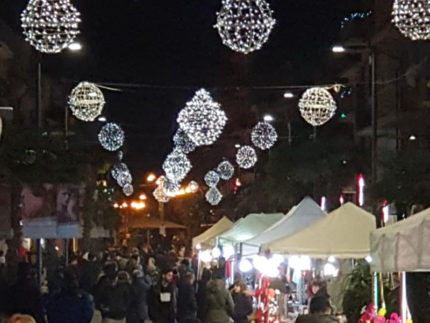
<point x="244" y="25"/>
<point x="211" y="178"/>
<point x="202" y="119"/>
<point x="264" y="135"/>
<point x="124" y="178"/>
<point x="171" y="188"/>
<point x="225" y="170"/>
<point x="128" y="190"/>
<point x="111" y="137"/>
<point x="50" y="25"/>
<point x="120" y="155"/>
<point x="182" y="142"/>
<point x="412" y="18"/>
<point x="246" y="157"/>
<point x="117" y="169"/>
<point x="317" y="106"/>
<point x="160" y="195"/>
<point x="86" y="101"/>
<point x="213" y="196"/>
<point x="177" y="165"/>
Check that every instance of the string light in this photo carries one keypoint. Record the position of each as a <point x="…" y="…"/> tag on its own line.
<point x="225" y="170"/>
<point x="176" y="166"/>
<point x="50" y="25"/>
<point x="264" y="135"/>
<point x="317" y="106"/>
<point x="182" y="142"/>
<point x="111" y="137"/>
<point x="246" y="157"/>
<point x="412" y="18"/>
<point x="244" y="25"/>
<point x="86" y="101"/>
<point x="354" y="16"/>
<point x="202" y="119"/>
<point x="211" y="178"/>
<point x="213" y="196"/>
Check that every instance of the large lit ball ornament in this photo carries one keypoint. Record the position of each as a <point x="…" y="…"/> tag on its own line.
<point x="111" y="137"/>
<point x="160" y="195"/>
<point x="317" y="106"/>
<point x="246" y="157"/>
<point x="213" y="196"/>
<point x="244" y="25"/>
<point x="412" y="18"/>
<point x="202" y="119"/>
<point x="211" y="178"/>
<point x="124" y="178"/>
<point x="264" y="135"/>
<point x="128" y="190"/>
<point x="86" y="101"/>
<point x="118" y="169"/>
<point x="50" y="25"/>
<point x="225" y="170"/>
<point x="176" y="166"/>
<point x="182" y="142"/>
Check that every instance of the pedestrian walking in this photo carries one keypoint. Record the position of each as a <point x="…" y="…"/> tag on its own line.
<point x="187" y="303"/>
<point x="242" y="302"/>
<point x="163" y="299"/>
<point x="138" y="306"/>
<point x="220" y="303"/>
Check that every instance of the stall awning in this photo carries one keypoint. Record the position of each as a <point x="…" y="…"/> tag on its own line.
<point x="299" y="217"/>
<point x="403" y="246"/>
<point x="143" y="222"/>
<point x="207" y="238"/>
<point x="343" y="233"/>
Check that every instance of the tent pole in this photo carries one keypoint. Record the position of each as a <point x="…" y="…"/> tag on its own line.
<point x="375" y="290"/>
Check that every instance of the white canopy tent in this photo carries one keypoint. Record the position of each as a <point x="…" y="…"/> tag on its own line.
<point x="208" y="238"/>
<point x="403" y="246"/>
<point x="343" y="233"/>
<point x="299" y="217"/>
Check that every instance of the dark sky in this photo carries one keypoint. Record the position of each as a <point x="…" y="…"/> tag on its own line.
<point x="172" y="47"/>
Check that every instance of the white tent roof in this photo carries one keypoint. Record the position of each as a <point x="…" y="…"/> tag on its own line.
<point x="299" y="217"/>
<point x="343" y="233"/>
<point x="403" y="246"/>
<point x="208" y="237"/>
<point x="249" y="227"/>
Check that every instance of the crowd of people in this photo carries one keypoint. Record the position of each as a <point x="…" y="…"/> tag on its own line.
<point x="126" y="287"/>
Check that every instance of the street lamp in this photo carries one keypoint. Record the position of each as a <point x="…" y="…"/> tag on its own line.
<point x="151" y="178"/>
<point x="102" y="119"/>
<point x="338" y="49"/>
<point x="268" y="118"/>
<point x="288" y="95"/>
<point x="75" y="46"/>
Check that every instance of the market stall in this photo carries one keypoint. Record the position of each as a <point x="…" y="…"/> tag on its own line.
<point x="208" y="238"/>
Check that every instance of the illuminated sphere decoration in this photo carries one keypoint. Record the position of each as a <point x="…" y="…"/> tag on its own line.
<point x="111" y="137"/>
<point x="211" y="178"/>
<point x="213" y="196"/>
<point x="412" y="18"/>
<point x="317" y="106"/>
<point x="225" y="170"/>
<point x="202" y="119"/>
<point x="244" y="25"/>
<point x="176" y="166"/>
<point x="50" y="25"/>
<point x="86" y="101"/>
<point x="128" y="190"/>
<point x="160" y="195"/>
<point x="124" y="178"/>
<point x="264" y="135"/>
<point x="182" y="142"/>
<point x="246" y="157"/>
<point x="117" y="169"/>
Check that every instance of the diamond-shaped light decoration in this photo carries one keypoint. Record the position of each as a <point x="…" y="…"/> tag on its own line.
<point x="50" y="25"/>
<point x="211" y="178"/>
<point x="412" y="18"/>
<point x="317" y="106"/>
<point x="176" y="166"/>
<point x="117" y="169"/>
<point x="244" y="25"/>
<point x="128" y="190"/>
<point x="86" y="101"/>
<point x="213" y="196"/>
<point x="182" y="142"/>
<point x="171" y="188"/>
<point x="246" y="157"/>
<point x="202" y="119"/>
<point x="264" y="135"/>
<point x="111" y="137"/>
<point x="225" y="170"/>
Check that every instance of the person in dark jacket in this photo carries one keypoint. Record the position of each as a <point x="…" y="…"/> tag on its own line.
<point x="320" y="312"/>
<point x="70" y="305"/>
<point x="162" y="299"/>
<point x="138" y="307"/>
<point x="220" y="303"/>
<point x="187" y="303"/>
<point x="90" y="273"/>
<point x="242" y="302"/>
<point x="202" y="301"/>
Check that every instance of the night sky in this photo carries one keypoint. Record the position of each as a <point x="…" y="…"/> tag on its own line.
<point x="162" y="51"/>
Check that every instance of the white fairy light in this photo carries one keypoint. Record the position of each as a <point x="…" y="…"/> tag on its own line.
<point x="50" y="25"/>
<point x="317" y="106"/>
<point x="159" y="193"/>
<point x="245" y="265"/>
<point x="412" y="18"/>
<point x="264" y="135"/>
<point x="171" y="188"/>
<point x="225" y="170"/>
<point x="211" y="178"/>
<point x="86" y="101"/>
<point x="182" y="142"/>
<point x="202" y="119"/>
<point x="177" y="165"/>
<point x="124" y="178"/>
<point x="213" y="196"/>
<point x="244" y="25"/>
<point x="246" y="157"/>
<point x="128" y="190"/>
<point x="111" y="137"/>
<point x="117" y="169"/>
